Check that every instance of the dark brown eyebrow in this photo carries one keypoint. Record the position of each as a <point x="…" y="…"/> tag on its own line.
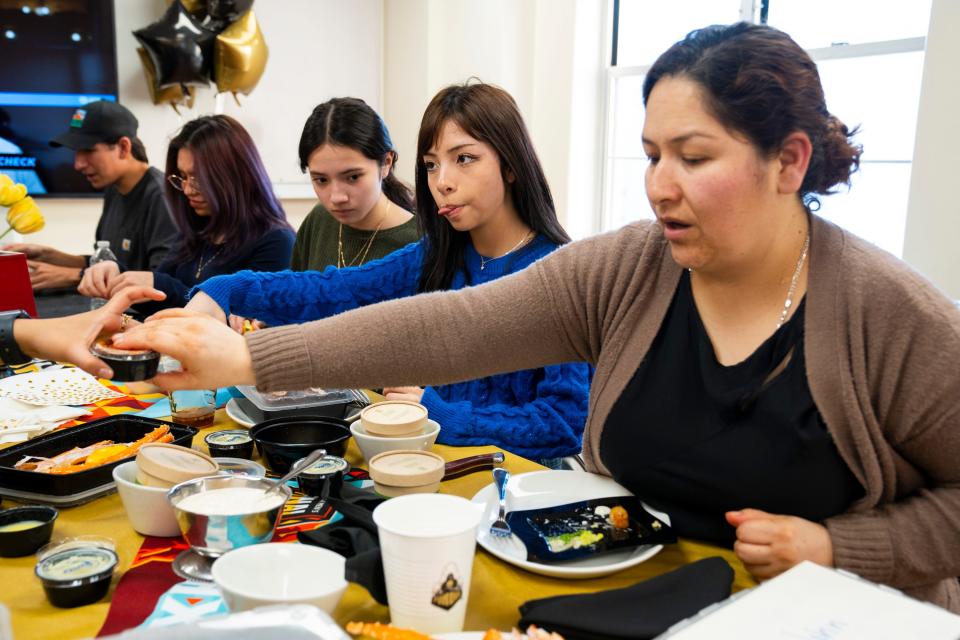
<point x="452" y="149"/>
<point x="681" y="139"/>
<point x="342" y="173"/>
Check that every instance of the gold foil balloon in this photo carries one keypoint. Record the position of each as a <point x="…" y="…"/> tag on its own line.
<point x="196" y="7"/>
<point x="240" y="56"/>
<point x="174" y="94"/>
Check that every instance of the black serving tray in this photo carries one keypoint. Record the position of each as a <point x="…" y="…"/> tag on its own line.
<point x="76" y="488"/>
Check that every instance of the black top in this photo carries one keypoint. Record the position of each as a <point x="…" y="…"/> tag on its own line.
<point x="138" y="224"/>
<point x="696" y="439"/>
<point x="270" y="253"/>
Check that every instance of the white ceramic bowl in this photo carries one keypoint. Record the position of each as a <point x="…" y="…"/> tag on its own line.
<point x="280" y="573"/>
<point x="148" y="509"/>
<point x="371" y="445"/>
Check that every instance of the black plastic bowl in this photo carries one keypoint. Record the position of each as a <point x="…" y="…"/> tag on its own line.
<point x="283" y="441"/>
<point x="26" y="541"/>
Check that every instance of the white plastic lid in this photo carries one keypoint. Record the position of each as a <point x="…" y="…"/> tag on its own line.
<point x="314" y="397"/>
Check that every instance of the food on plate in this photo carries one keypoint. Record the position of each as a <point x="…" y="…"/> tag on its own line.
<point x="94" y="455"/>
<point x="533" y="633"/>
<point x="380" y="631"/>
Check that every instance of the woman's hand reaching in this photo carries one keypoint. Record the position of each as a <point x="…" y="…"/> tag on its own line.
<point x="211" y="354"/>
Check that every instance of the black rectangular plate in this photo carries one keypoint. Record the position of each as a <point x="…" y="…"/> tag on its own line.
<point x="533" y="525"/>
<point x="73" y="488"/>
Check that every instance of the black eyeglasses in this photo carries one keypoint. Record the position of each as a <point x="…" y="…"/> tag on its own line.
<point x="179" y="183"/>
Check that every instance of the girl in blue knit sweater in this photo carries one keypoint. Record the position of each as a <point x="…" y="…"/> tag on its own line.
<point x="484" y="210"/>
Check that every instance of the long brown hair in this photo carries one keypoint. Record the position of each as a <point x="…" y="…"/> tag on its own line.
<point x="489" y="114"/>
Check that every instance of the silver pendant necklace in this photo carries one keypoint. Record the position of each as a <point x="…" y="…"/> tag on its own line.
<point x="793" y="282"/>
<point x="523" y="240"/>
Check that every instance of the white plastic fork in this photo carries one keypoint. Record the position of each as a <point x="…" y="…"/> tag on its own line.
<point x="500" y="528"/>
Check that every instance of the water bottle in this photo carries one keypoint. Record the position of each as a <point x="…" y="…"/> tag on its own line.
<point x="101" y="254"/>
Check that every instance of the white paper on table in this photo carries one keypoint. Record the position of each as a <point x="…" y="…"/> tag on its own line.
<point x="19" y="420"/>
<point x="56" y="386"/>
<point x="811" y="602"/>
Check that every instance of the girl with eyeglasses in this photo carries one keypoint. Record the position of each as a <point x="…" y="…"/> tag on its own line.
<point x="223" y="204"/>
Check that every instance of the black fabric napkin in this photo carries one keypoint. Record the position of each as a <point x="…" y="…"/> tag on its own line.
<point x="644" y="610"/>
<point x="355" y="538"/>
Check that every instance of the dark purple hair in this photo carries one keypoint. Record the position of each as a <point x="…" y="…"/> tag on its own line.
<point x="233" y="181"/>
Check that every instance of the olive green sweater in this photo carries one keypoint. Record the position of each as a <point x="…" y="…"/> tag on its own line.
<point x="317" y="240"/>
<point x="882" y="347"/>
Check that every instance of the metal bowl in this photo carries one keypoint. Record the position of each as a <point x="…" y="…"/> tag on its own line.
<point x="214" y="535"/>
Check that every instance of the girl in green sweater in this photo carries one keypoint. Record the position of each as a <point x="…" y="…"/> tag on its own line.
<point x="364" y="209"/>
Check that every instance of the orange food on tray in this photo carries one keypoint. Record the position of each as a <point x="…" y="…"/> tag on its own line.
<point x="380" y="631"/>
<point x="94" y="455"/>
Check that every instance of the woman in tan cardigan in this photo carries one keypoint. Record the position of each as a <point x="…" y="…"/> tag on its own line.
<point x="769" y="380"/>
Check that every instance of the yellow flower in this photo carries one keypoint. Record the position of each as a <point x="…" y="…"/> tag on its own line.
<point x="11" y="193"/>
<point x="25" y="216"/>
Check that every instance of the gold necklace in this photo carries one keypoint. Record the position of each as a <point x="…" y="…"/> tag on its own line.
<point x="523" y="240"/>
<point x="362" y="254"/>
<point x="201" y="265"/>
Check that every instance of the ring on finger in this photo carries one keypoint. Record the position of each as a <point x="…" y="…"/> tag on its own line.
<point x="124" y="319"/>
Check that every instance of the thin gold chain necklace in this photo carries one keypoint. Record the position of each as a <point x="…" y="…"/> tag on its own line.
<point x="523" y="240"/>
<point x="362" y="253"/>
<point x="201" y="264"/>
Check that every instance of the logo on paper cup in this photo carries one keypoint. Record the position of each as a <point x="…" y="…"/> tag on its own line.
<point x="450" y="590"/>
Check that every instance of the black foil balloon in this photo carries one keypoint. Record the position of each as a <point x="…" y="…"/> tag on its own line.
<point x="228" y="10"/>
<point x="181" y="50"/>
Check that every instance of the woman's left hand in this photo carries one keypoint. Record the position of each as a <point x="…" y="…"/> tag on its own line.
<point x="131" y="279"/>
<point x="769" y="544"/>
<point x="413" y="394"/>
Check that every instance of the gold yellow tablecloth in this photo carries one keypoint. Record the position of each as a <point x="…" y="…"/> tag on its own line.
<point x="497" y="588"/>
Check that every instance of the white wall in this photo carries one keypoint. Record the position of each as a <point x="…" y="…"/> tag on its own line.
<point x="932" y="241"/>
<point x="536" y="50"/>
<point x="318" y="49"/>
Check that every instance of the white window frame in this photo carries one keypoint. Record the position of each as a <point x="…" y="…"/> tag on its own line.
<point x="749" y="12"/>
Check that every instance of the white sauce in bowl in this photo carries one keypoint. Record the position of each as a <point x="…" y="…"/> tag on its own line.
<point x="230" y="501"/>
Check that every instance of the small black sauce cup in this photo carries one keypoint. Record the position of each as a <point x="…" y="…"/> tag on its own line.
<point x="128" y="366"/>
<point x="231" y="443"/>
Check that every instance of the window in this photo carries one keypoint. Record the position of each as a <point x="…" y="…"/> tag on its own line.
<point x="870" y="57"/>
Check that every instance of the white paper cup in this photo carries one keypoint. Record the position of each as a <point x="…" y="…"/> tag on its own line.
<point x="427" y="541"/>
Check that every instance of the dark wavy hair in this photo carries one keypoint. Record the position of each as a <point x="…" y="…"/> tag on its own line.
<point x="350" y="122"/>
<point x="234" y="182"/>
<point x="759" y="82"/>
<point x="489" y="114"/>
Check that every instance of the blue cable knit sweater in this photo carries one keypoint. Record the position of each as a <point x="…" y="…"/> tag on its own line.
<point x="535" y="413"/>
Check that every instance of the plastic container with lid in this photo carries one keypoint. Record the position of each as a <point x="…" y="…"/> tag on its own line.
<point x="324" y="478"/>
<point x="164" y="465"/>
<point x="333" y="403"/>
<point x="394" y="418"/>
<point x="397" y="473"/>
<point x="232" y="443"/>
<point x="78" y="571"/>
<point x="128" y="365"/>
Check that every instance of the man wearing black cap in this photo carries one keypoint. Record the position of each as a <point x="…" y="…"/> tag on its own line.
<point x="135" y="217"/>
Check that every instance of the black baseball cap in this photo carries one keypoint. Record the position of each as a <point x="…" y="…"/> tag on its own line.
<point x="100" y="121"/>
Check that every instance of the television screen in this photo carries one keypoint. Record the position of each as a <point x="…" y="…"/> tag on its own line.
<point x="57" y="55"/>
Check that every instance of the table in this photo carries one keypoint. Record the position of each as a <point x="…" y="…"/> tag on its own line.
<point x="59" y="303"/>
<point x="497" y="588"/>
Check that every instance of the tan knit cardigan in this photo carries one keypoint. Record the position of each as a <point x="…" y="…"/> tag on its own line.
<point x="882" y="349"/>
